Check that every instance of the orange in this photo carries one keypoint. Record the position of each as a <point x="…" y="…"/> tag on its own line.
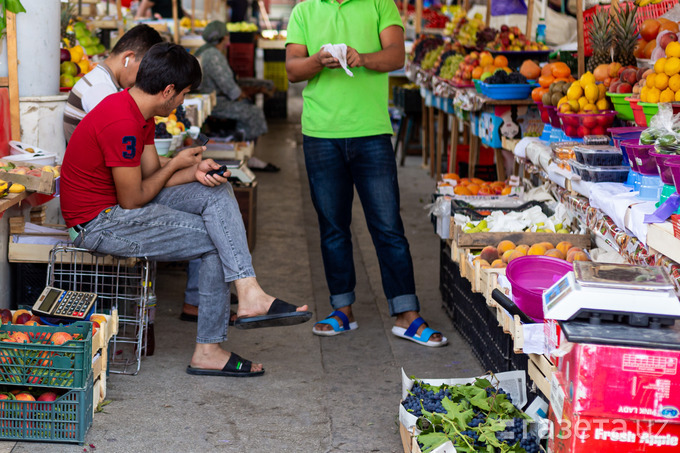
<point x="546" y="80"/>
<point x="547" y="69"/>
<point x="669" y="25"/>
<point x="77" y="53"/>
<point x="477" y="72"/>
<point x="560" y="69"/>
<point x="649" y="29"/>
<point x="473" y="188"/>
<point x="500" y="61"/>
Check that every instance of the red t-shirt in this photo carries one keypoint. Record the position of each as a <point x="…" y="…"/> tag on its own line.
<point x="113" y="134"/>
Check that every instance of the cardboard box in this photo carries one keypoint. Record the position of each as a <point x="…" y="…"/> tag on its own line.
<point x="45" y="183"/>
<point x="575" y="432"/>
<point x="622" y="382"/>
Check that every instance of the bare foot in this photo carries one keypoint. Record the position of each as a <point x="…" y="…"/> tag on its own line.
<point x="405" y="319"/>
<point x="213" y="357"/>
<point x="253" y="301"/>
<point x="327" y="327"/>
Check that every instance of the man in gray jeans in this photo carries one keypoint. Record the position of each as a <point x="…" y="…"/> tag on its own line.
<point x="117" y="199"/>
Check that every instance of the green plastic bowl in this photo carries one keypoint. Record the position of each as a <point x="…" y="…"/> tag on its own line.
<point x="649" y="109"/>
<point x="622" y="107"/>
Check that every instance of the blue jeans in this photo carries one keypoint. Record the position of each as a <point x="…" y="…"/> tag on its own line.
<point x="334" y="168"/>
<point x="183" y="223"/>
<point x="191" y="292"/>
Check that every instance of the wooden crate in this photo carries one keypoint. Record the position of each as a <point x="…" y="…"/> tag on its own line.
<point x="408" y="440"/>
<point x="481" y="240"/>
<point x="45" y="183"/>
<point x="540" y="371"/>
<point x="247" y="203"/>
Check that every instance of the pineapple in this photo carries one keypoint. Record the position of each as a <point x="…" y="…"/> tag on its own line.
<point x="600" y="39"/>
<point x="625" y="34"/>
<point x="68" y="11"/>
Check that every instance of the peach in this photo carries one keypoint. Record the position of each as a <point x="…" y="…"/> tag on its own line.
<point x="504" y="246"/>
<point x="497" y="264"/>
<point x="577" y="256"/>
<point x="536" y="249"/>
<point x="555" y="253"/>
<point x="482" y="263"/>
<point x="506" y="256"/>
<point x="515" y="254"/>
<point x="489" y="253"/>
<point x="547" y="245"/>
<point x="564" y="247"/>
<point x="523" y="247"/>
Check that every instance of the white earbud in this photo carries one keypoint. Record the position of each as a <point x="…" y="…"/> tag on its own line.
<point x="127" y="60"/>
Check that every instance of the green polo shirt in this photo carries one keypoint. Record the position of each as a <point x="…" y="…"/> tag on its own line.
<point x="336" y="105"/>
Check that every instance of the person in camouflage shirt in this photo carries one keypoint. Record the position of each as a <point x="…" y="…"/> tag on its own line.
<point x="233" y="101"/>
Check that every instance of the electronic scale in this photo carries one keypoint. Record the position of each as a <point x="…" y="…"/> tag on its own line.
<point x="58" y="303"/>
<point x="636" y="295"/>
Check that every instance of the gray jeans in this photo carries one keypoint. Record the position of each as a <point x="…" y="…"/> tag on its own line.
<point x="182" y="223"/>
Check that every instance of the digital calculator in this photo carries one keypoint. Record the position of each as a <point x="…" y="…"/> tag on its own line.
<point x="60" y="303"/>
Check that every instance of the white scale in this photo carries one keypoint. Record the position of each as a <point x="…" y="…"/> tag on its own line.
<point x="644" y="295"/>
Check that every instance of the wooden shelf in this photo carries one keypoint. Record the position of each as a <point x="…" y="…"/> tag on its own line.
<point x="11" y="200"/>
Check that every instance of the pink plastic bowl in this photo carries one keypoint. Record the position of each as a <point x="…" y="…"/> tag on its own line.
<point x="639" y="158"/>
<point x="675" y="172"/>
<point x="662" y="162"/>
<point x="530" y="276"/>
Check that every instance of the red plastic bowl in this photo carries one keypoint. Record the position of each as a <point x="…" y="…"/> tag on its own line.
<point x="554" y="119"/>
<point x="662" y="161"/>
<point x="639" y="158"/>
<point x="530" y="276"/>
<point x="545" y="116"/>
<point x="638" y="114"/>
<point x="578" y="125"/>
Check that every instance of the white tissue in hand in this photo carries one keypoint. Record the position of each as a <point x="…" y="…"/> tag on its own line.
<point x="339" y="51"/>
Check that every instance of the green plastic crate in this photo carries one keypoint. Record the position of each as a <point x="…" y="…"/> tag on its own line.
<point x="42" y="364"/>
<point x="66" y="419"/>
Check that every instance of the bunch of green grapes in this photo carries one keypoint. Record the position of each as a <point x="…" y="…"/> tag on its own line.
<point x="467" y="34"/>
<point x="431" y="57"/>
<point x="450" y="66"/>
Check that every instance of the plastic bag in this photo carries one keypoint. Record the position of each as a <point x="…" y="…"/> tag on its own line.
<point x="507" y="7"/>
<point x="658" y="52"/>
<point x="663" y="131"/>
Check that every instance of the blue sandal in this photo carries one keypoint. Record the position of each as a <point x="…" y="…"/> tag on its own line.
<point x="337" y="329"/>
<point x="423" y="338"/>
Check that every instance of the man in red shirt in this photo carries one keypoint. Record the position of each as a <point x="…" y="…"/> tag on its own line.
<point x="118" y="200"/>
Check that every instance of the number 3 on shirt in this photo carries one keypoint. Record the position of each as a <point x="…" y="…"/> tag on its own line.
<point x="131" y="142"/>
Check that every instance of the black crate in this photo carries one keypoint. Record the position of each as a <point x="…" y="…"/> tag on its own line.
<point x="242" y="37"/>
<point x="28" y="281"/>
<point x="274" y="54"/>
<point x="277" y="105"/>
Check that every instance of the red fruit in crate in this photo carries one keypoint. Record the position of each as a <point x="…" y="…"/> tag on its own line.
<point x="23" y="318"/>
<point x="589" y="121"/>
<point x="48" y="396"/>
<point x="59" y="338"/>
<point x="582" y="131"/>
<point x="598" y="130"/>
<point x="24" y="396"/>
<point x="605" y="120"/>
<point x="571" y="131"/>
<point x="6" y="315"/>
<point x="545" y="116"/>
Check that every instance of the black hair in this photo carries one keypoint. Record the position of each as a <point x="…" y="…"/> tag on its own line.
<point x="168" y="64"/>
<point x="138" y="39"/>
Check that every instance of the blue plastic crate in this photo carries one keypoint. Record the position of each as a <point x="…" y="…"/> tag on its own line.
<point x="506" y="92"/>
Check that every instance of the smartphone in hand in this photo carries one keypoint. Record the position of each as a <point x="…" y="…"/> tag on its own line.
<point x="201" y="140"/>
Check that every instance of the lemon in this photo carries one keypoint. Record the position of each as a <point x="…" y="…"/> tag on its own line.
<point x="582" y="101"/>
<point x="574" y="105"/>
<point x="674" y="83"/>
<point x="667" y="95"/>
<point x="592" y="92"/>
<point x="602" y="104"/>
<point x="677" y="96"/>
<point x="574" y="92"/>
<point x="653" y="95"/>
<point x="77" y="53"/>
<point x="590" y="108"/>
<point x="565" y="108"/>
<point x="659" y="65"/>
<point x="672" y="66"/>
<point x="673" y="49"/>
<point x="586" y="79"/>
<point x="562" y="101"/>
<point x="643" y="93"/>
<point x="602" y="89"/>
<point x="650" y="80"/>
<point x="661" y="81"/>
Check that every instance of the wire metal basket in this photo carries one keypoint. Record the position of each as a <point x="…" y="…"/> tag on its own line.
<point x="125" y="284"/>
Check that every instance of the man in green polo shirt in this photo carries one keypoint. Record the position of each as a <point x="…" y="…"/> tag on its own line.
<point x="347" y="143"/>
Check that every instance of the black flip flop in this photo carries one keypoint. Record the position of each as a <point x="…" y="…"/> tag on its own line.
<point x="237" y="366"/>
<point x="280" y="313"/>
<point x="194" y="318"/>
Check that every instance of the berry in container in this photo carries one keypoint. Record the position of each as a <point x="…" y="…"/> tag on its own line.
<point x="599" y="156"/>
<point x="605" y="174"/>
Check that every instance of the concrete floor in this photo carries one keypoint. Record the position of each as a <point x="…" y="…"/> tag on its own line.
<point x="337" y="394"/>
